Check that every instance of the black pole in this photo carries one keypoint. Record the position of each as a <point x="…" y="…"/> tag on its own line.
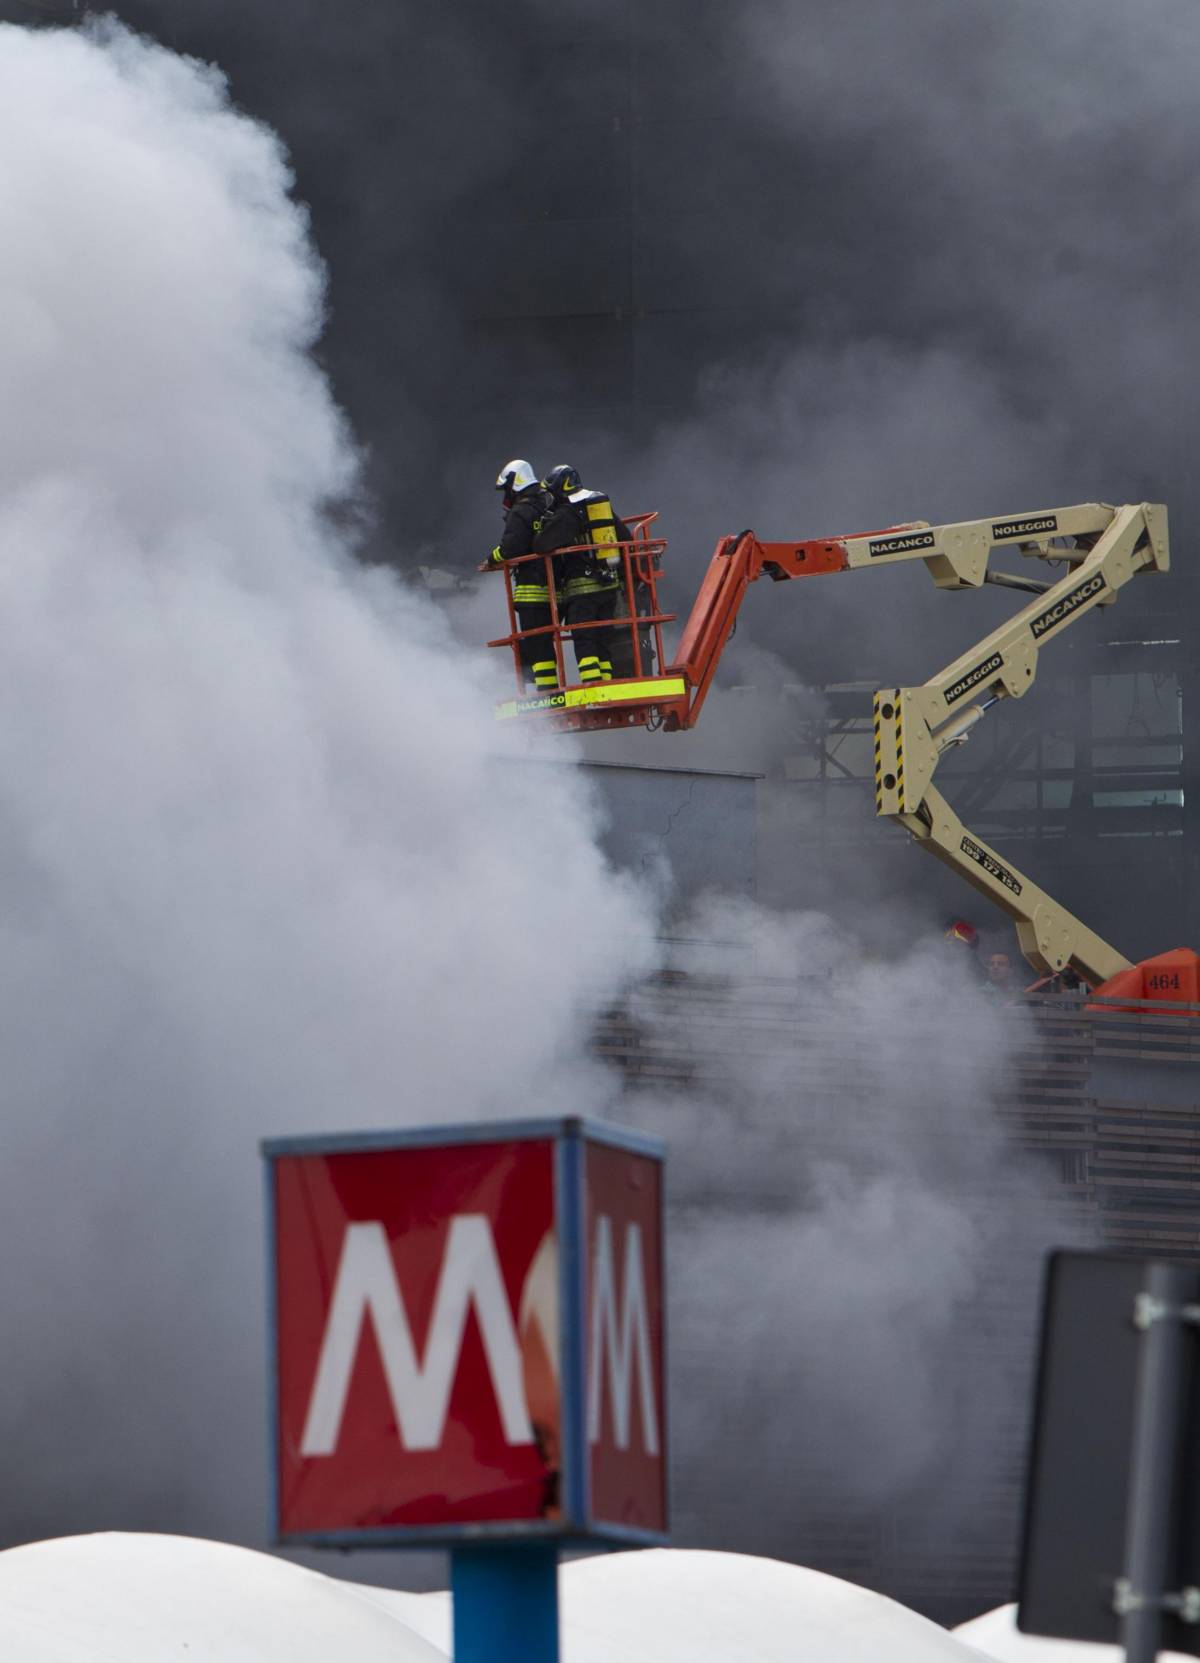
<point x="1157" y="1423"/>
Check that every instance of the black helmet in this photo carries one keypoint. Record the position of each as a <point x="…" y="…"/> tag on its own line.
<point x="562" y="480"/>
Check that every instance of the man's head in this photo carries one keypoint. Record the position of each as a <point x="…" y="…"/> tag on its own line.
<point x="999" y="968"/>
<point x="514" y="479"/>
<point x="562" y="480"/>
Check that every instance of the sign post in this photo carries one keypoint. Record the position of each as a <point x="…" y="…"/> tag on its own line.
<point x="505" y="1602"/>
<point x="468" y="1348"/>
<point x="1112" y="1510"/>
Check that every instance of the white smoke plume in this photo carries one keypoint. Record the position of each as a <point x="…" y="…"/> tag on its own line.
<point x="261" y="869"/>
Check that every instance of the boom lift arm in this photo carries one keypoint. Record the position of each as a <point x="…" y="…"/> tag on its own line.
<point x="1103" y="548"/>
<point x="956" y="557"/>
<point x="915" y="726"/>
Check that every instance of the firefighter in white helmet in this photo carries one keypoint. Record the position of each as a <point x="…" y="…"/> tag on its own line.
<point x="526" y="504"/>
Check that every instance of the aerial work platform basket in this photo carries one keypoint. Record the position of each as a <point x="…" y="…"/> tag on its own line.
<point x="657" y="695"/>
<point x="650" y="697"/>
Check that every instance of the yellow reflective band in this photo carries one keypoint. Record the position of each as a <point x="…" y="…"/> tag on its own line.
<point x="604" y="692"/>
<point x="577" y="586"/>
<point x="614" y="692"/>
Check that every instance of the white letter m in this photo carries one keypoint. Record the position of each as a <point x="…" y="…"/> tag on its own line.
<point x="619" y="1337"/>
<point x="367" y="1285"/>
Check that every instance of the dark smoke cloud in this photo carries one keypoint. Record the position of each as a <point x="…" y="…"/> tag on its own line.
<point x="799" y="268"/>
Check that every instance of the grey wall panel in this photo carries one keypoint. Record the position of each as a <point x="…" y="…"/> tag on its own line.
<point x="702" y="826"/>
<point x="542" y="270"/>
<point x="547" y="358"/>
<point x="705" y="259"/>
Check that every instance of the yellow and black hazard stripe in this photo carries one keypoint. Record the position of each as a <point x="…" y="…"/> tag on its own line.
<point x="899" y="750"/>
<point x="889" y="752"/>
<point x="578" y="698"/>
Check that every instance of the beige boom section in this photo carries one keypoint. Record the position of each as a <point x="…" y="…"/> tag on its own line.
<point x="1102" y="547"/>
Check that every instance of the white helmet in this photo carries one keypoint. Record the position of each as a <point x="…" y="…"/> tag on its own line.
<point x="515" y="478"/>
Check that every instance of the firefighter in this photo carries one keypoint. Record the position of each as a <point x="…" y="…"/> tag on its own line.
<point x="526" y="504"/>
<point x="592" y="579"/>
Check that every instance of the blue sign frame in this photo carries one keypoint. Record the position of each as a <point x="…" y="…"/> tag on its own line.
<point x="570" y="1136"/>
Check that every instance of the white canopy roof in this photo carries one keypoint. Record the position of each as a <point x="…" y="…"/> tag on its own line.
<point x="139" y="1599"/>
<point x="668" y="1605"/>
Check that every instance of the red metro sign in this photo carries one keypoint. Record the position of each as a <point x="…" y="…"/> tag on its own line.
<point x="468" y="1335"/>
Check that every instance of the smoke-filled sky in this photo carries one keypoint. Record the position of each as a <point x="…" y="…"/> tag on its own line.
<point x="806" y="268"/>
<point x="929" y="258"/>
<point x="261" y="867"/>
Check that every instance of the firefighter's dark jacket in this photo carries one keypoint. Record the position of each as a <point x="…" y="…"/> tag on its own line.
<point x="521" y="525"/>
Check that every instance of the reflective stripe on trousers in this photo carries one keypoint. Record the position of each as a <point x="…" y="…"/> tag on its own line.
<point x="576" y="586"/>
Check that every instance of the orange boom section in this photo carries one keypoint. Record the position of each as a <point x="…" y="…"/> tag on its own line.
<point x="1168" y="979"/>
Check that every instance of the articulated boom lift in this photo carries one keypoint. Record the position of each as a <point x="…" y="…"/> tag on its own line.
<point x="914" y="726"/>
<point x="1102" y="548"/>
